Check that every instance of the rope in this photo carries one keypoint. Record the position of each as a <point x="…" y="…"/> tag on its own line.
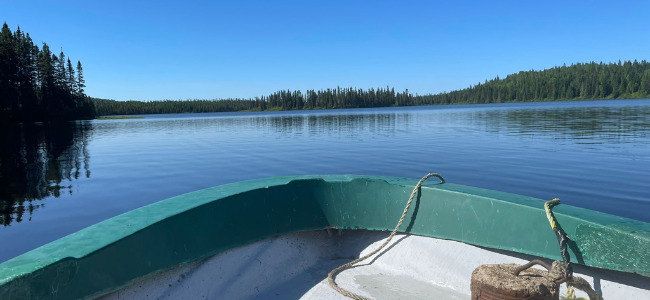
<point x="557" y="272"/>
<point x="562" y="271"/>
<point x="548" y="205"/>
<point x="583" y="285"/>
<point x="332" y="274"/>
<point x="562" y="239"/>
<point x="570" y="293"/>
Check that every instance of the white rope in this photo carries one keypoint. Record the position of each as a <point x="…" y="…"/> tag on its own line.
<point x="332" y="274"/>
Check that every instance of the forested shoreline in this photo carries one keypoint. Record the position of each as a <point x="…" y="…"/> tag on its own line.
<point x="281" y="100"/>
<point x="38" y="85"/>
<point x="622" y="80"/>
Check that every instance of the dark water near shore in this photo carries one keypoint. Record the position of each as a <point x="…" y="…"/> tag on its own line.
<point x="56" y="179"/>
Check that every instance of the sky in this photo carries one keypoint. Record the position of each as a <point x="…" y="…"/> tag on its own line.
<point x="155" y="50"/>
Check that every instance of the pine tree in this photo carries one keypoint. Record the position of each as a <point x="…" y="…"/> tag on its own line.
<point x="8" y="71"/>
<point x="71" y="81"/>
<point x="45" y="71"/>
<point x="645" y="82"/>
<point x="27" y="54"/>
<point x="81" y="83"/>
<point x="60" y="71"/>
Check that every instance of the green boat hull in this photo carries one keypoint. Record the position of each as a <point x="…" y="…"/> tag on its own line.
<point x="109" y="255"/>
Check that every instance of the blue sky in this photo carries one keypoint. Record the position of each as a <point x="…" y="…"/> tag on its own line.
<point x="151" y="50"/>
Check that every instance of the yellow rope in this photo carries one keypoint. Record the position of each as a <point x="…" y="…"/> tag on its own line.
<point x="332" y="274"/>
<point x="549" y="214"/>
<point x="570" y="293"/>
<point x="582" y="284"/>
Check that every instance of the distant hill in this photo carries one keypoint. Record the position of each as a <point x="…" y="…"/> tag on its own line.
<point x="576" y="82"/>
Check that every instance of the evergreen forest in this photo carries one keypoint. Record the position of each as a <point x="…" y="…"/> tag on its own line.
<point x="38" y="85"/>
<point x="588" y="81"/>
<point x="281" y="100"/>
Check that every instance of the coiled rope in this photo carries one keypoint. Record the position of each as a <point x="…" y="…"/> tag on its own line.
<point x="332" y="274"/>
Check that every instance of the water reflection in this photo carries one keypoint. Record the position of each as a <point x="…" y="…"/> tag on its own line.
<point x="39" y="161"/>
<point x="593" y="125"/>
<point x="308" y="123"/>
<point x="347" y="124"/>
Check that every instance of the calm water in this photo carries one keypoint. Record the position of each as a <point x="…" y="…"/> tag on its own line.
<point x="55" y="180"/>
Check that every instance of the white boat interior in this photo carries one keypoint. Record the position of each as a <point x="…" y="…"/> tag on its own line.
<point x="295" y="266"/>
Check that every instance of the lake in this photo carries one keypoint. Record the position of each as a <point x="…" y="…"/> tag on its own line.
<point x="56" y="179"/>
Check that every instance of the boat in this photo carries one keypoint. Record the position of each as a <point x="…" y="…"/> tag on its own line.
<point x="279" y="237"/>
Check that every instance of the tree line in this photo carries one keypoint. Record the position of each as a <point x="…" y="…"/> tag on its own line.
<point x="281" y="100"/>
<point x="581" y="81"/>
<point x="38" y="85"/>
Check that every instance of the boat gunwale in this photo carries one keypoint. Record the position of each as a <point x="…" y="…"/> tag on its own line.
<point x="102" y="235"/>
